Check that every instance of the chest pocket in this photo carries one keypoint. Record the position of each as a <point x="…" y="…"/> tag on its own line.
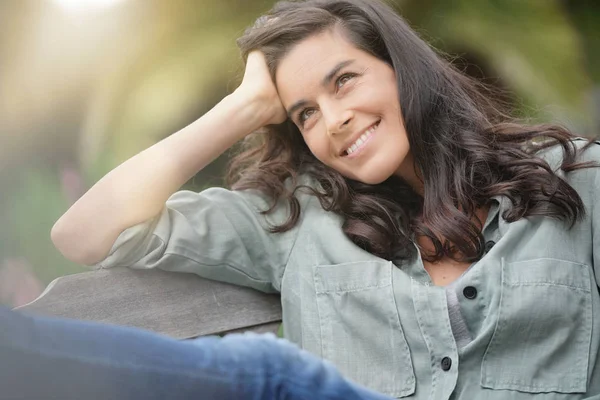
<point x="360" y="326"/>
<point x="542" y="338"/>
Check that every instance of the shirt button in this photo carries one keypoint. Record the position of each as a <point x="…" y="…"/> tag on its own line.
<point x="488" y="245"/>
<point x="446" y="363"/>
<point x="470" y="292"/>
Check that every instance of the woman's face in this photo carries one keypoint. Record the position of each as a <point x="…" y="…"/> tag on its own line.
<point x="345" y="103"/>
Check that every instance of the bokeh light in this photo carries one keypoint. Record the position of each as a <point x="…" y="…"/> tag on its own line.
<point x="85" y="6"/>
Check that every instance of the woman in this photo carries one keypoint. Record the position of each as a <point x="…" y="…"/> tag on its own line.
<point x="422" y="241"/>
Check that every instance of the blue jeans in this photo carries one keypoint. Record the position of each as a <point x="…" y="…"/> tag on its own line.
<point x="47" y="358"/>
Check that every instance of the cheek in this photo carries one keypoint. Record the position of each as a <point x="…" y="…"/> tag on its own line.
<point x="377" y="100"/>
<point x="318" y="146"/>
<point x="381" y="94"/>
<point x="389" y="98"/>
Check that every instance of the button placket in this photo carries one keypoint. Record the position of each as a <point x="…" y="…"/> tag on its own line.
<point x="431" y="309"/>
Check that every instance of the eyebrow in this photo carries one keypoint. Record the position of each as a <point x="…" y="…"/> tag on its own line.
<point x="325" y="82"/>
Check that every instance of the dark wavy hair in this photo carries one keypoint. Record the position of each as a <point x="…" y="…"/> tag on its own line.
<point x="466" y="149"/>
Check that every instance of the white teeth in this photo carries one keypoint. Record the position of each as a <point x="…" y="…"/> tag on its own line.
<point x="363" y="138"/>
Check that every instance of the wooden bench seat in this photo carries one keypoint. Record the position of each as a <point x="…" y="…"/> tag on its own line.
<point x="179" y="305"/>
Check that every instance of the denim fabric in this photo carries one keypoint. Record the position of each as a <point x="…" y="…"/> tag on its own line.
<point x="44" y="358"/>
<point x="534" y="326"/>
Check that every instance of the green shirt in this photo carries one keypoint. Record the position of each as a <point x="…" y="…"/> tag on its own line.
<point x="522" y="322"/>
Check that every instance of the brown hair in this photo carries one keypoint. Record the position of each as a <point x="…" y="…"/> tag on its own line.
<point x="465" y="148"/>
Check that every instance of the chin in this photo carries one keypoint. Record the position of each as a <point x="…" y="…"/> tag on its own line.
<point x="376" y="174"/>
<point x="374" y="181"/>
<point x="373" y="178"/>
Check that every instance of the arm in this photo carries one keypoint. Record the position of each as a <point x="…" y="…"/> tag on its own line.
<point x="137" y="189"/>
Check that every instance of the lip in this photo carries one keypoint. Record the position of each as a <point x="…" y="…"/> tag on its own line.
<point x="354" y="138"/>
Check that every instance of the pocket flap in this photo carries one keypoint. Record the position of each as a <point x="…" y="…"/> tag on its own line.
<point x="348" y="277"/>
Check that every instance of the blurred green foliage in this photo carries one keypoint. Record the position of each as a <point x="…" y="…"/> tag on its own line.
<point x="32" y="210"/>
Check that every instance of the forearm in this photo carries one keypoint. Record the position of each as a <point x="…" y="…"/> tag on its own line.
<point x="137" y="189"/>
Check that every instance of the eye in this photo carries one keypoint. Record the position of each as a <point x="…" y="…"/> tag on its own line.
<point x="305" y="114"/>
<point x="343" y="79"/>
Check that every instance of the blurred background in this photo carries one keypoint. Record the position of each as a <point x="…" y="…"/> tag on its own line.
<point x="85" y="84"/>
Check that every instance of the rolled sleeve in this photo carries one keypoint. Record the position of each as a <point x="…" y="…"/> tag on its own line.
<point x="217" y="234"/>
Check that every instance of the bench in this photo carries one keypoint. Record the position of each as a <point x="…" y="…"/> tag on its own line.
<point x="179" y="305"/>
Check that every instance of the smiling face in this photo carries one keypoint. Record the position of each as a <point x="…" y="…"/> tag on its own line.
<point x="345" y="103"/>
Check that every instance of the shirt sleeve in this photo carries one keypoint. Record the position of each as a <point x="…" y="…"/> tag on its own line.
<point x="591" y="186"/>
<point x="218" y="234"/>
<point x="595" y="210"/>
<point x="587" y="183"/>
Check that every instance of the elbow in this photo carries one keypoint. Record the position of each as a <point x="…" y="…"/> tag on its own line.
<point x="72" y="245"/>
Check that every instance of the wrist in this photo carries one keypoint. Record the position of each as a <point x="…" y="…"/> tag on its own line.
<point x="257" y="112"/>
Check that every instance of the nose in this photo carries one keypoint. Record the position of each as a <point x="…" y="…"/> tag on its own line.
<point x="337" y="120"/>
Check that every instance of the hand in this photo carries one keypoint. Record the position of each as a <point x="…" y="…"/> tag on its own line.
<point x="258" y="87"/>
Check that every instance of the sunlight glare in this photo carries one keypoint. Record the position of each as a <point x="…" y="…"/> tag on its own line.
<point x="85" y="6"/>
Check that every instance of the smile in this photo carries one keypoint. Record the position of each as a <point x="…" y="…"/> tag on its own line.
<point x="361" y="142"/>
